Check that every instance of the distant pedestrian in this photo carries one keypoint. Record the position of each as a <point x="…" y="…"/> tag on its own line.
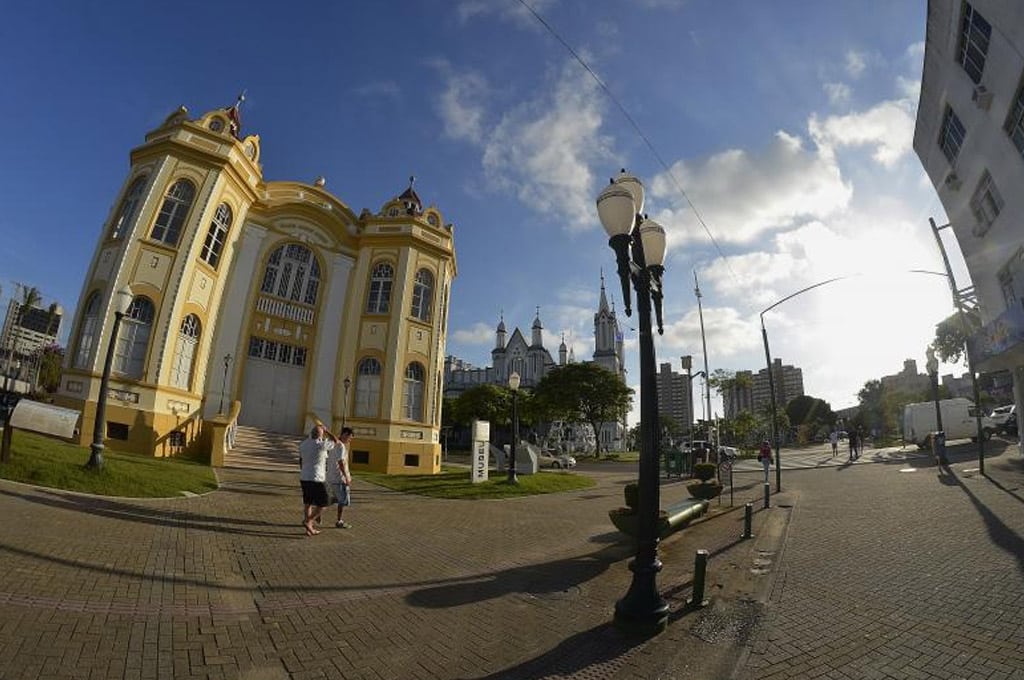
<point x="313" y="457"/>
<point x="834" y="438"/>
<point x="852" y="438"/>
<point x="338" y="476"/>
<point x="764" y="456"/>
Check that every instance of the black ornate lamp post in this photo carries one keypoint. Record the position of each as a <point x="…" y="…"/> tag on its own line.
<point x="939" y="438"/>
<point x="639" y="246"/>
<point x="224" y="383"/>
<point x="347" y="382"/>
<point x="122" y="300"/>
<point x="513" y="383"/>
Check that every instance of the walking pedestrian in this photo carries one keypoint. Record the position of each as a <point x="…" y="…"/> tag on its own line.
<point x="852" y="435"/>
<point x="313" y="458"/>
<point x="338" y="476"/>
<point x="764" y="456"/>
<point x="834" y="438"/>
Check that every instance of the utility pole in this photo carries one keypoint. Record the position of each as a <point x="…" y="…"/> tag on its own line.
<point x="704" y="344"/>
<point x="961" y="299"/>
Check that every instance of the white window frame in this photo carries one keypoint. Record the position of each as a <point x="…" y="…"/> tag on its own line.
<point x="412" y="391"/>
<point x="126" y="212"/>
<point x="173" y="211"/>
<point x="367" y="397"/>
<point x="423" y="294"/>
<point x="185" y="352"/>
<point x="378" y="299"/>
<point x="216" y="235"/>
<point x="133" y="338"/>
<point x="986" y="204"/>
<point x="89" y="330"/>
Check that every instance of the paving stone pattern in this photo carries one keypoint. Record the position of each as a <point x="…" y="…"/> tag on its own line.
<point x="857" y="571"/>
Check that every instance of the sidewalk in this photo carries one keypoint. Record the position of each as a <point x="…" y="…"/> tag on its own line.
<point x="226" y="585"/>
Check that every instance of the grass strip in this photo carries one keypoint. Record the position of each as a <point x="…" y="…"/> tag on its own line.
<point x="456" y="483"/>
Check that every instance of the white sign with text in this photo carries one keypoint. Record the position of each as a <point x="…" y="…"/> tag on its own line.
<point x="481" y="443"/>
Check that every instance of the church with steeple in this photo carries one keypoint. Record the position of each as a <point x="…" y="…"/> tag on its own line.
<point x="532" y="361"/>
<point x="266" y="304"/>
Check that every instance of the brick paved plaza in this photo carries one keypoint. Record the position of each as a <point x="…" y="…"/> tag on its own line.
<point x="857" y="571"/>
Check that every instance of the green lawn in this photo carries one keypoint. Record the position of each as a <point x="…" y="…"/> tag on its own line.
<point x="456" y="483"/>
<point x="52" y="463"/>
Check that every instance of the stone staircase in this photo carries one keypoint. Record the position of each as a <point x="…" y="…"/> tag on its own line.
<point x="256" y="449"/>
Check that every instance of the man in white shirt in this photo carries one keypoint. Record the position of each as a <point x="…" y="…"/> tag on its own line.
<point x="313" y="453"/>
<point x="339" y="477"/>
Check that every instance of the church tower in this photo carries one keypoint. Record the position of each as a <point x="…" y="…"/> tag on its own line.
<point x="607" y="339"/>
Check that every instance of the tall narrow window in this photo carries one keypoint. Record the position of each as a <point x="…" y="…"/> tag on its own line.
<point x="1015" y="121"/>
<point x="216" y="236"/>
<point x="422" y="295"/>
<point x="367" y="388"/>
<point x="379" y="299"/>
<point x="89" y="330"/>
<point x="173" y="212"/>
<point x="292" y="273"/>
<point x="986" y="204"/>
<point x="133" y="338"/>
<point x="412" y="393"/>
<point x="975" y="34"/>
<point x="126" y="212"/>
<point x="1011" y="279"/>
<point x="952" y="134"/>
<point x="185" y="353"/>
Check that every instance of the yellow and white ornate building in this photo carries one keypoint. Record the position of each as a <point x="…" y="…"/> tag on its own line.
<point x="270" y="301"/>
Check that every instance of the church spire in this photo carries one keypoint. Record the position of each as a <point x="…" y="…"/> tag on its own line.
<point x="603" y="306"/>
<point x="499" y="342"/>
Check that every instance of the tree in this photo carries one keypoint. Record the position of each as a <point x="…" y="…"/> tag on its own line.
<point x="492" y="403"/>
<point x="951" y="335"/>
<point x="582" y="392"/>
<point x="49" y="359"/>
<point x="810" y="411"/>
<point x="743" y="426"/>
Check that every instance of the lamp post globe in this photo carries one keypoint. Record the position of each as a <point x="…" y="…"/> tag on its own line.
<point x="639" y="246"/>
<point x="513" y="384"/>
<point x="122" y="301"/>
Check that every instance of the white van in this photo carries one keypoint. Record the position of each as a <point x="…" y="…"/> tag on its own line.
<point x="958" y="421"/>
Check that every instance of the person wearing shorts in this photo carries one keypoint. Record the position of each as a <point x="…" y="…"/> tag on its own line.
<point x="339" y="477"/>
<point x="313" y="452"/>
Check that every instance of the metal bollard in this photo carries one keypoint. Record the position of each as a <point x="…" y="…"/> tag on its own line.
<point x="700" y="567"/>
<point x="748" y="514"/>
<point x="767" y="495"/>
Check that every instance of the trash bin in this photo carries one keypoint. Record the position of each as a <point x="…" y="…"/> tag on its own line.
<point x="939" y="446"/>
<point x="673" y="462"/>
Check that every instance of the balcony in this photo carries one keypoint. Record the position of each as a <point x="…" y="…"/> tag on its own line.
<point x="1000" y="343"/>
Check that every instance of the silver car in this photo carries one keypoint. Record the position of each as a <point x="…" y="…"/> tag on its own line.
<point x="557" y="461"/>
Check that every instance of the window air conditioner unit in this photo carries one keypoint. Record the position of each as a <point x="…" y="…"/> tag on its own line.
<point x="953" y="181"/>
<point x="981" y="97"/>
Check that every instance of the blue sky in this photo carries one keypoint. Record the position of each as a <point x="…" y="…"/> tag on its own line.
<point x="787" y="124"/>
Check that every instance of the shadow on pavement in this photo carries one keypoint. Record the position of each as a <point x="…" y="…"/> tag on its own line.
<point x="586" y="650"/>
<point x="549" y="578"/>
<point x="1002" y="535"/>
<point x="104" y="507"/>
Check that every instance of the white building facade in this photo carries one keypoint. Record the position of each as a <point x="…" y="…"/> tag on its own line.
<point x="970" y="139"/>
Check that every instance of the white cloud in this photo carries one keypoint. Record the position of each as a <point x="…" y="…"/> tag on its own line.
<point x="888" y="127"/>
<point x="479" y="333"/>
<point x="838" y="93"/>
<point x="915" y="53"/>
<point x="541" y="150"/>
<point x="910" y="88"/>
<point x="726" y="331"/>
<point x="856" y="62"/>
<point x="742" y="194"/>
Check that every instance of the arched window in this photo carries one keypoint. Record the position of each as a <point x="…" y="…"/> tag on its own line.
<point x="368" y="388"/>
<point x="292" y="273"/>
<point x="379" y="299"/>
<point x="126" y="213"/>
<point x="412" y="392"/>
<point x="88" y="331"/>
<point x="173" y="212"/>
<point x="133" y="338"/>
<point x="185" y="352"/>
<point x="216" y="236"/>
<point x="422" y="295"/>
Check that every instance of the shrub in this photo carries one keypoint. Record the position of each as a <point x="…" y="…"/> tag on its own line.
<point x="704" y="471"/>
<point x="704" y="490"/>
<point x="632" y="494"/>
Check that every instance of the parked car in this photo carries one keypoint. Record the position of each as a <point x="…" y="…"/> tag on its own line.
<point x="556" y="460"/>
<point x="1005" y="419"/>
